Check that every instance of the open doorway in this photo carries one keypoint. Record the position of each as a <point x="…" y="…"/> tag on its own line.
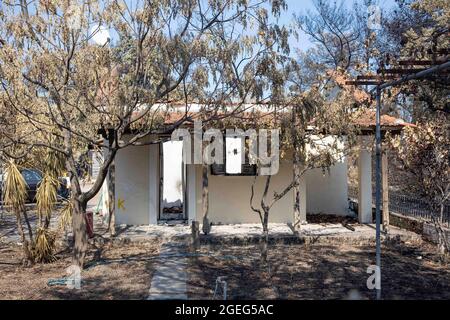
<point x="172" y="181"/>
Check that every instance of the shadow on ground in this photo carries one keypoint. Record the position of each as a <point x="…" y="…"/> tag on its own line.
<point x="319" y="272"/>
<point x="112" y="272"/>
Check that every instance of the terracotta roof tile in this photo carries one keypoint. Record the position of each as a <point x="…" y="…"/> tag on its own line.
<point x="366" y="118"/>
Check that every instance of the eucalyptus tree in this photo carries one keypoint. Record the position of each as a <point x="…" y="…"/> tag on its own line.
<point x="58" y="84"/>
<point x="331" y="26"/>
<point x="419" y="31"/>
<point x="317" y="131"/>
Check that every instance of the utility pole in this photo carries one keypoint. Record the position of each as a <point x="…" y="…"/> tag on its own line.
<point x="377" y="194"/>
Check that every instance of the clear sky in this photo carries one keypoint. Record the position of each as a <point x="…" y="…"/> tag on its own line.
<point x="298" y="7"/>
<point x="302" y="6"/>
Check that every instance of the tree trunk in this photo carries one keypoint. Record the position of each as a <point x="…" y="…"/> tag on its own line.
<point x="27" y="258"/>
<point x="206" y="227"/>
<point x="298" y="218"/>
<point x="111" y="182"/>
<point x="265" y="222"/>
<point x="111" y="199"/>
<point x="195" y="233"/>
<point x="443" y="245"/>
<point x="27" y="221"/>
<point x="297" y="161"/>
<point x="79" y="232"/>
<point x="265" y="241"/>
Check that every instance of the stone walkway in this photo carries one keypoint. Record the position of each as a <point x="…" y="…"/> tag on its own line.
<point x="169" y="280"/>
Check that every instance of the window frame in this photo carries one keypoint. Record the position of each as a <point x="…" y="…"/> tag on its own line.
<point x="220" y="169"/>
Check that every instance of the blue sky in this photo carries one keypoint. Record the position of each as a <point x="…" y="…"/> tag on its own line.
<point x="302" y="6"/>
<point x="298" y="7"/>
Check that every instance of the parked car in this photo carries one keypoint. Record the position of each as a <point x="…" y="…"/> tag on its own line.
<point x="33" y="178"/>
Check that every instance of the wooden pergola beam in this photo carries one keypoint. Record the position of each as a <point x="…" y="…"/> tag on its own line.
<point x="439" y="51"/>
<point x="363" y="83"/>
<point x="404" y="71"/>
<point x="399" y="71"/>
<point x="376" y="77"/>
<point x="416" y="63"/>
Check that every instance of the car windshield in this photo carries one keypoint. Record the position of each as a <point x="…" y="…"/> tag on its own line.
<point x="31" y="175"/>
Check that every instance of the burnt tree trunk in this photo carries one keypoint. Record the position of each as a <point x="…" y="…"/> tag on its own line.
<point x="443" y="245"/>
<point x="80" y="240"/>
<point x="265" y="221"/>
<point x="111" y="199"/>
<point x="265" y="239"/>
<point x="195" y="235"/>
<point x="298" y="153"/>
<point x="27" y="256"/>
<point x="27" y="221"/>
<point x="111" y="182"/>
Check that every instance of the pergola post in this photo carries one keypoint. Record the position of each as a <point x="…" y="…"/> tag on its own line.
<point x="364" y="182"/>
<point x="385" y="189"/>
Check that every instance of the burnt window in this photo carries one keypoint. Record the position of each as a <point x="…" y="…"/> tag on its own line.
<point x="236" y="158"/>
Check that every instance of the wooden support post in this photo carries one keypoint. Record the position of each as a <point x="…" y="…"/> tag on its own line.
<point x="206" y="227"/>
<point x="385" y="189"/>
<point x="365" y="181"/>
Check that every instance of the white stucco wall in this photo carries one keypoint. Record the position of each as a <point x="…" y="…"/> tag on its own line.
<point x="193" y="200"/>
<point x="229" y="197"/>
<point x="137" y="187"/>
<point x="137" y="183"/>
<point x="327" y="192"/>
<point x="132" y="185"/>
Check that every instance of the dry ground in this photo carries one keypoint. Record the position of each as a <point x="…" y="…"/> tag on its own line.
<point x="112" y="272"/>
<point x="319" y="271"/>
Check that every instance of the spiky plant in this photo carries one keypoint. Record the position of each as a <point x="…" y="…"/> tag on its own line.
<point x="54" y="163"/>
<point x="15" y="195"/>
<point x="15" y="187"/>
<point x="66" y="215"/>
<point x="45" y="245"/>
<point x="46" y="197"/>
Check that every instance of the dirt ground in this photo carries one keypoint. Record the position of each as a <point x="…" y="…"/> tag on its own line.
<point x="319" y="271"/>
<point x="112" y="272"/>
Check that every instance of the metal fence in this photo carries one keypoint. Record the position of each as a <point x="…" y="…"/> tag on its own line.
<point x="407" y="205"/>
